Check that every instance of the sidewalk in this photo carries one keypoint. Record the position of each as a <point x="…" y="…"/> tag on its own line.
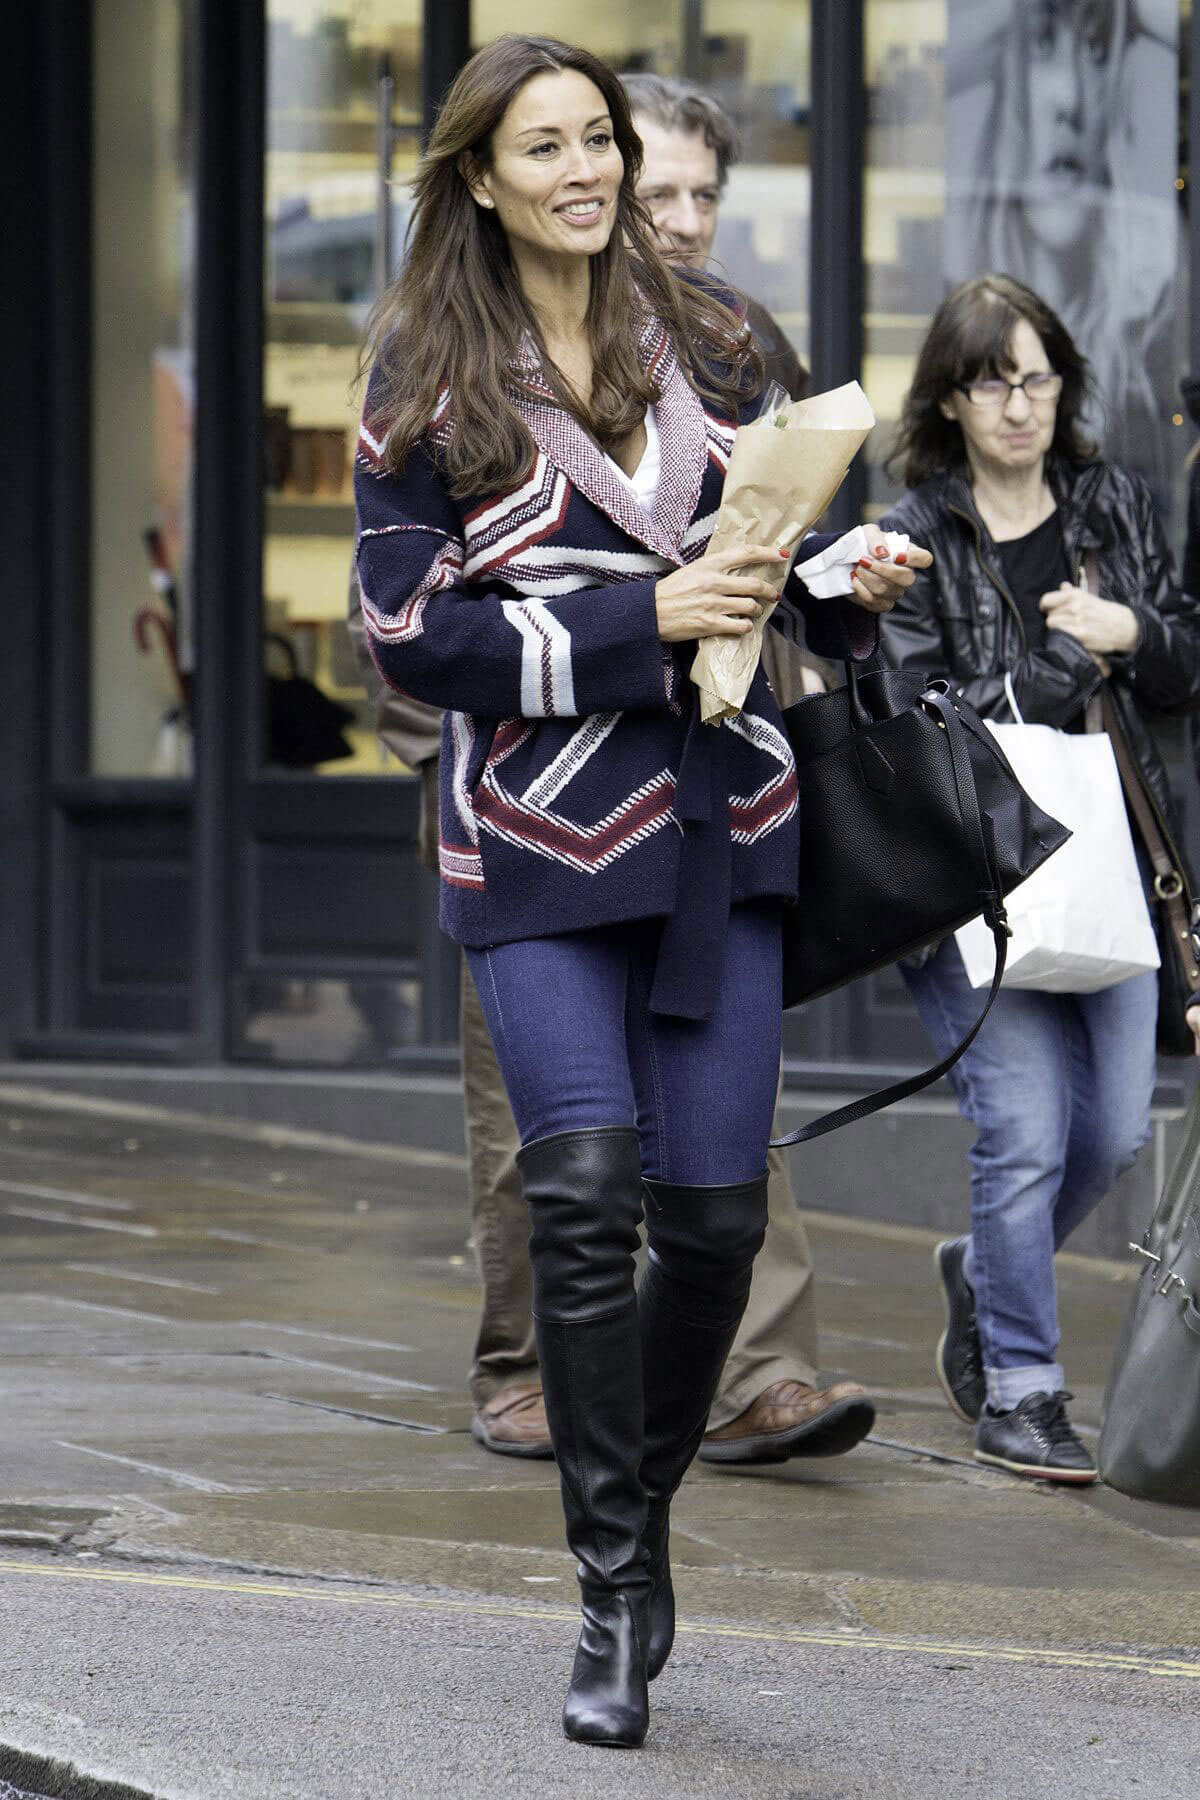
<point x="248" y="1548"/>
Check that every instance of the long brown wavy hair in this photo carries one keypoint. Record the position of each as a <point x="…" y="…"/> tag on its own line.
<point x="456" y="313"/>
<point x="971" y="336"/>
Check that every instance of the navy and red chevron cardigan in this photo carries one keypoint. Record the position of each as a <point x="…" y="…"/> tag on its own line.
<point x="573" y="770"/>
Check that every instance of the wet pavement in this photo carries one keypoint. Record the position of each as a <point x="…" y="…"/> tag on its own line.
<point x="248" y="1547"/>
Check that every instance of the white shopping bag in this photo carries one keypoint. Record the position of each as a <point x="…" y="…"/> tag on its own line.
<point x="1081" y="921"/>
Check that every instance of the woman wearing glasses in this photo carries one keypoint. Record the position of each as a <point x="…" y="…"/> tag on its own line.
<point x="1012" y="501"/>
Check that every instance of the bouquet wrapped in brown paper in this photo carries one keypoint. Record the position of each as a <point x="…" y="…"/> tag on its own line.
<point x="784" y="470"/>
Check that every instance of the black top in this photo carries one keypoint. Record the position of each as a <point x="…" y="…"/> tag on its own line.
<point x="1033" y="565"/>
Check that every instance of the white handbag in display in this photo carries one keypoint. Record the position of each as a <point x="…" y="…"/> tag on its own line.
<point x="1081" y="922"/>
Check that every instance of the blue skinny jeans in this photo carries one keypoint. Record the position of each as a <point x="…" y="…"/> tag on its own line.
<point x="578" y="1045"/>
<point x="1059" y="1087"/>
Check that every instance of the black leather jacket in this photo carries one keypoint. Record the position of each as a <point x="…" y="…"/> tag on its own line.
<point x="959" y="619"/>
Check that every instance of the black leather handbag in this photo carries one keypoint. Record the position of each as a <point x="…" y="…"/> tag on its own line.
<point x="911" y="823"/>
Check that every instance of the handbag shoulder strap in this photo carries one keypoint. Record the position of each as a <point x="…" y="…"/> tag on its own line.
<point x="978" y="830"/>
<point x="901" y="1090"/>
<point x="1157" y="849"/>
<point x="1168" y="875"/>
<point x="1171" y="888"/>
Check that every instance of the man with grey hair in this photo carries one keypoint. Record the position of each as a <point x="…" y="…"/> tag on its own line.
<point x="691" y="144"/>
<point x="770" y="1404"/>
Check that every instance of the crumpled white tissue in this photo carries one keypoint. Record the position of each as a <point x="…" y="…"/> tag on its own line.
<point x="832" y="573"/>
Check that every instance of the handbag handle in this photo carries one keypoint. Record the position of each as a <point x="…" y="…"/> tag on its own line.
<point x="1179" y="1189"/>
<point x="979" y="828"/>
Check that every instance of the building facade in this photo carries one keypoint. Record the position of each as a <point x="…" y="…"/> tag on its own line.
<point x="208" y="858"/>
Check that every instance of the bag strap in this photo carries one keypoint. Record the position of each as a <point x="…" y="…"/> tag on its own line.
<point x="1170" y="882"/>
<point x="978" y="829"/>
<point x="1166" y="875"/>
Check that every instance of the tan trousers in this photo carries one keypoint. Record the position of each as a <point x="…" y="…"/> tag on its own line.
<point x="778" y="1336"/>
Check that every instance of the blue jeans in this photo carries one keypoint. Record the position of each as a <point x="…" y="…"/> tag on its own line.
<point x="578" y="1045"/>
<point x="1059" y="1087"/>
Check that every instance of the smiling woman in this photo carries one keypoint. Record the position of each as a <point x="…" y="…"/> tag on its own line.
<point x="550" y="415"/>
<point x="527" y="231"/>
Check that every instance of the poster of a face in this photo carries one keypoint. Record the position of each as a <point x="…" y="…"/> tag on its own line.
<point x="1061" y="133"/>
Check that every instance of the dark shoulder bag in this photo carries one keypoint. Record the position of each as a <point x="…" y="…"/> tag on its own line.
<point x="1150" y="1441"/>
<point x="911" y="823"/>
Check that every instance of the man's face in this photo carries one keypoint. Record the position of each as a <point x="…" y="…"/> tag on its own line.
<point x="680" y="190"/>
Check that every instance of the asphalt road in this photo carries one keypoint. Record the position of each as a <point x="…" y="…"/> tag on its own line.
<point x="215" y="1688"/>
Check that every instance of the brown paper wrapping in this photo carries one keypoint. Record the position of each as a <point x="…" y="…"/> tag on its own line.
<point x="780" y="480"/>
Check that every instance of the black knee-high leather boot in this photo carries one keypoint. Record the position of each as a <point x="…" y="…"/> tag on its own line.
<point x="585" y="1197"/>
<point x="702" y="1243"/>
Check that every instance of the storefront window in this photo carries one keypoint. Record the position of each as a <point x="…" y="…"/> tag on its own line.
<point x="629" y="34"/>
<point x="323" y="181"/>
<point x="904" y="204"/>
<point x="1038" y="138"/>
<point x="142" y="386"/>
<point x="757" y="61"/>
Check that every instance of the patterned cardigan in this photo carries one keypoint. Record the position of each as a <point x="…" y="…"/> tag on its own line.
<point x="574" y="772"/>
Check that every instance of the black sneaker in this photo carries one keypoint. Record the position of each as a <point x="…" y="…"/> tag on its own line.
<point x="959" y="1359"/>
<point x="1036" y="1439"/>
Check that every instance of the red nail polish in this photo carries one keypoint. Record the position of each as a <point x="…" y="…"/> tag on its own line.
<point x="901" y="556"/>
<point x="881" y="549"/>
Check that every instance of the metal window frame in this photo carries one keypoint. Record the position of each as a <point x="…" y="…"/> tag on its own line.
<point x="836" y="283"/>
<point x="227" y="492"/>
<point x="1191" y="180"/>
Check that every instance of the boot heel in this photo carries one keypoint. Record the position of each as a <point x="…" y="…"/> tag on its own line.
<point x="607" y="1702"/>
<point x="661" y="1633"/>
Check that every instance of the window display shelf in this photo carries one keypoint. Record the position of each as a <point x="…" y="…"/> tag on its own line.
<point x="316" y="322"/>
<point x="309" y="515"/>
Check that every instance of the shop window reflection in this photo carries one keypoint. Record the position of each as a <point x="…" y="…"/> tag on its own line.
<point x="629" y="34"/>
<point x="756" y="60"/>
<point x="967" y="170"/>
<point x="142" y="407"/>
<point x="322" y="188"/>
<point x="904" y="205"/>
<point x="325" y="1023"/>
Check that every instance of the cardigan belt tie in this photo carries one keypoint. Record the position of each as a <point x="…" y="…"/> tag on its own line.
<point x="692" y="946"/>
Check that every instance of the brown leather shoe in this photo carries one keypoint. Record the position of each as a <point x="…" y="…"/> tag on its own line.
<point x="513" y="1423"/>
<point x="792" y="1419"/>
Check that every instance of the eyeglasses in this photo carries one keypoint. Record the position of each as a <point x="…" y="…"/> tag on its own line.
<point x="1040" y="390"/>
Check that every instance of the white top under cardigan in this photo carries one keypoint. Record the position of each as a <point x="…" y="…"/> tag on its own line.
<point x="643" y="483"/>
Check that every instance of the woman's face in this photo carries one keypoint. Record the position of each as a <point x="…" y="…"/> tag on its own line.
<point x="1018" y="433"/>
<point x="555" y="171"/>
<point x="1066" y="53"/>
